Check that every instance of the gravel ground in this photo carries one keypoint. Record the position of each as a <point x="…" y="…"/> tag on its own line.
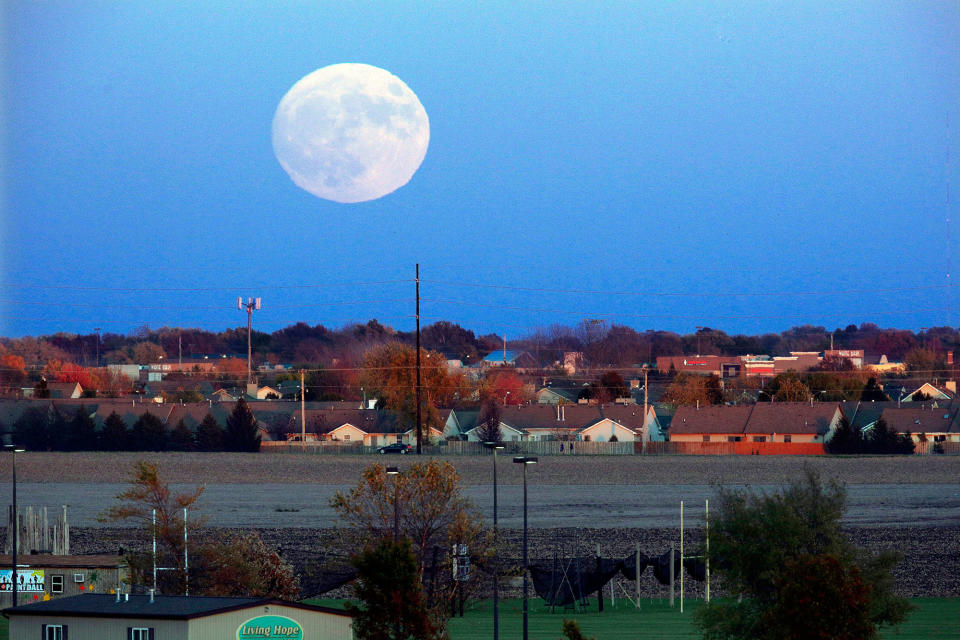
<point x="931" y="566"/>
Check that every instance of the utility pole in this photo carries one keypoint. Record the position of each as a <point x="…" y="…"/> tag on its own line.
<point x="419" y="446"/>
<point x="303" y="415"/>
<point x="644" y="434"/>
<point x="253" y="304"/>
<point x="97" y="329"/>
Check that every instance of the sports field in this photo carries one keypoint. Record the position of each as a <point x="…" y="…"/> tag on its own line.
<point x="933" y="619"/>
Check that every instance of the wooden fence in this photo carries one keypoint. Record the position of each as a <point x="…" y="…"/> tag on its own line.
<point x="552" y="448"/>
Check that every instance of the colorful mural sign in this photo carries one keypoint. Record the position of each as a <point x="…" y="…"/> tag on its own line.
<point x="28" y="580"/>
<point x="270" y="628"/>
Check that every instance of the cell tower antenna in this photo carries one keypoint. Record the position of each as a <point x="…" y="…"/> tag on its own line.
<point x="253" y="304"/>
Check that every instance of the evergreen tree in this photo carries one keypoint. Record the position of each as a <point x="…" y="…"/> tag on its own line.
<point x="209" y="434"/>
<point x="83" y="431"/>
<point x="242" y="433"/>
<point x="845" y="439"/>
<point x="114" y="436"/>
<point x="148" y="434"/>
<point x="30" y="430"/>
<point x="58" y="431"/>
<point x="181" y="438"/>
<point x="390" y="595"/>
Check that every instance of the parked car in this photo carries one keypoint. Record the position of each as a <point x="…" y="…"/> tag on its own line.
<point x="396" y="447"/>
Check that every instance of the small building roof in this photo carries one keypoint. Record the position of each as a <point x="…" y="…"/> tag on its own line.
<point x="791" y="417"/>
<point x="710" y="419"/>
<point x="92" y="561"/>
<point x="101" y="605"/>
<point x="916" y="420"/>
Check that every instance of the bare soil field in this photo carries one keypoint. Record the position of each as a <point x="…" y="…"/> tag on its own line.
<point x="307" y="469"/>
<point x="911" y="504"/>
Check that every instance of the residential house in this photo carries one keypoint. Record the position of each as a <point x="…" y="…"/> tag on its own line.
<point x="63" y="390"/>
<point x="925" y="423"/>
<point x="713" y="423"/>
<point x="796" y="422"/>
<point x="509" y="358"/>
<point x="932" y="392"/>
<point x="49" y="576"/>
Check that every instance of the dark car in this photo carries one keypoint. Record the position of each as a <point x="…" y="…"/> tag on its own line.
<point x="396" y="447"/>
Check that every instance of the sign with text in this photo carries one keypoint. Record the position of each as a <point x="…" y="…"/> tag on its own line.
<point x="270" y="628"/>
<point x="28" y="580"/>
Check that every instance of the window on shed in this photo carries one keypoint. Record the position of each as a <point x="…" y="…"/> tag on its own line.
<point x="731" y="438"/>
<point x="706" y="438"/>
<point x="53" y="632"/>
<point x="139" y="633"/>
<point x="56" y="584"/>
<point x="759" y="438"/>
<point x="788" y="438"/>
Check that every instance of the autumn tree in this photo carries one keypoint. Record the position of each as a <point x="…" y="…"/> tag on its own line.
<point x="607" y="388"/>
<point x="693" y="388"/>
<point x="148" y="496"/>
<point x="431" y="509"/>
<point x="792" y="390"/>
<point x="504" y="386"/>
<point x="241" y="565"/>
<point x="923" y="360"/>
<point x="13" y="373"/>
<point x="389" y="372"/>
<point x="238" y="564"/>
<point x="109" y="383"/>
<point x="390" y="602"/>
<point x="147" y="352"/>
<point x="797" y="574"/>
<point x="242" y="433"/>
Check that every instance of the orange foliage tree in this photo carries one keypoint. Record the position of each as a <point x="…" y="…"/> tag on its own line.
<point x="13" y="372"/>
<point x="390" y="372"/>
<point x="430" y="507"/>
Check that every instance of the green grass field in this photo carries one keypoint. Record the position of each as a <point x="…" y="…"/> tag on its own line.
<point x="933" y="619"/>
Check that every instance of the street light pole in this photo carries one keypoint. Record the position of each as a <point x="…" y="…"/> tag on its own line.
<point x="496" y="568"/>
<point x="16" y="519"/>
<point x="525" y="460"/>
<point x="393" y="471"/>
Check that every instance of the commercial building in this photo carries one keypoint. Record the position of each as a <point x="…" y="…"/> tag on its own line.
<point x="148" y="617"/>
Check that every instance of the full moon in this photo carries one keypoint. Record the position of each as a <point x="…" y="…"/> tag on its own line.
<point x="350" y="133"/>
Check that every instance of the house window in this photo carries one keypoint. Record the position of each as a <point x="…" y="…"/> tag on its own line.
<point x="706" y="438"/>
<point x="139" y="633"/>
<point x="346" y="437"/>
<point x="56" y="584"/>
<point x="788" y="438"/>
<point x="54" y="632"/>
<point x="759" y="438"/>
<point x="586" y="438"/>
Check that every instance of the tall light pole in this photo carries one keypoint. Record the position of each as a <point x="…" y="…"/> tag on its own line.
<point x="393" y="471"/>
<point x="525" y="460"/>
<point x="496" y="572"/>
<point x="699" y="329"/>
<point x="253" y="304"/>
<point x="97" y="329"/>
<point x="16" y="518"/>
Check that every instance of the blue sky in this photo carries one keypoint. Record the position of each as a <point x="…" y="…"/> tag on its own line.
<point x="745" y="166"/>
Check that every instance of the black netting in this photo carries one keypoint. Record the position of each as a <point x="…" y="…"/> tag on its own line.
<point x="629" y="568"/>
<point x="566" y="580"/>
<point x="696" y="568"/>
<point x="661" y="567"/>
<point x="318" y="582"/>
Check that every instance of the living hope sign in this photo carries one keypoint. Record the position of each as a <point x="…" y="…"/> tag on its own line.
<point x="270" y="628"/>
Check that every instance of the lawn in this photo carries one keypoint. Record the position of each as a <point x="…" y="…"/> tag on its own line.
<point x="933" y="619"/>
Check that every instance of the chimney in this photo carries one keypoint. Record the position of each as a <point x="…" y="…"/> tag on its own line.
<point x="151" y="596"/>
<point x="126" y="597"/>
<point x="950" y="358"/>
<point x="118" y="594"/>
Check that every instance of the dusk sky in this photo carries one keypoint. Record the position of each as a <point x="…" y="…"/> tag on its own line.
<point x="746" y="166"/>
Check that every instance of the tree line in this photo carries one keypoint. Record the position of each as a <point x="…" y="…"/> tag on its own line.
<point x="603" y="344"/>
<point x="46" y="428"/>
